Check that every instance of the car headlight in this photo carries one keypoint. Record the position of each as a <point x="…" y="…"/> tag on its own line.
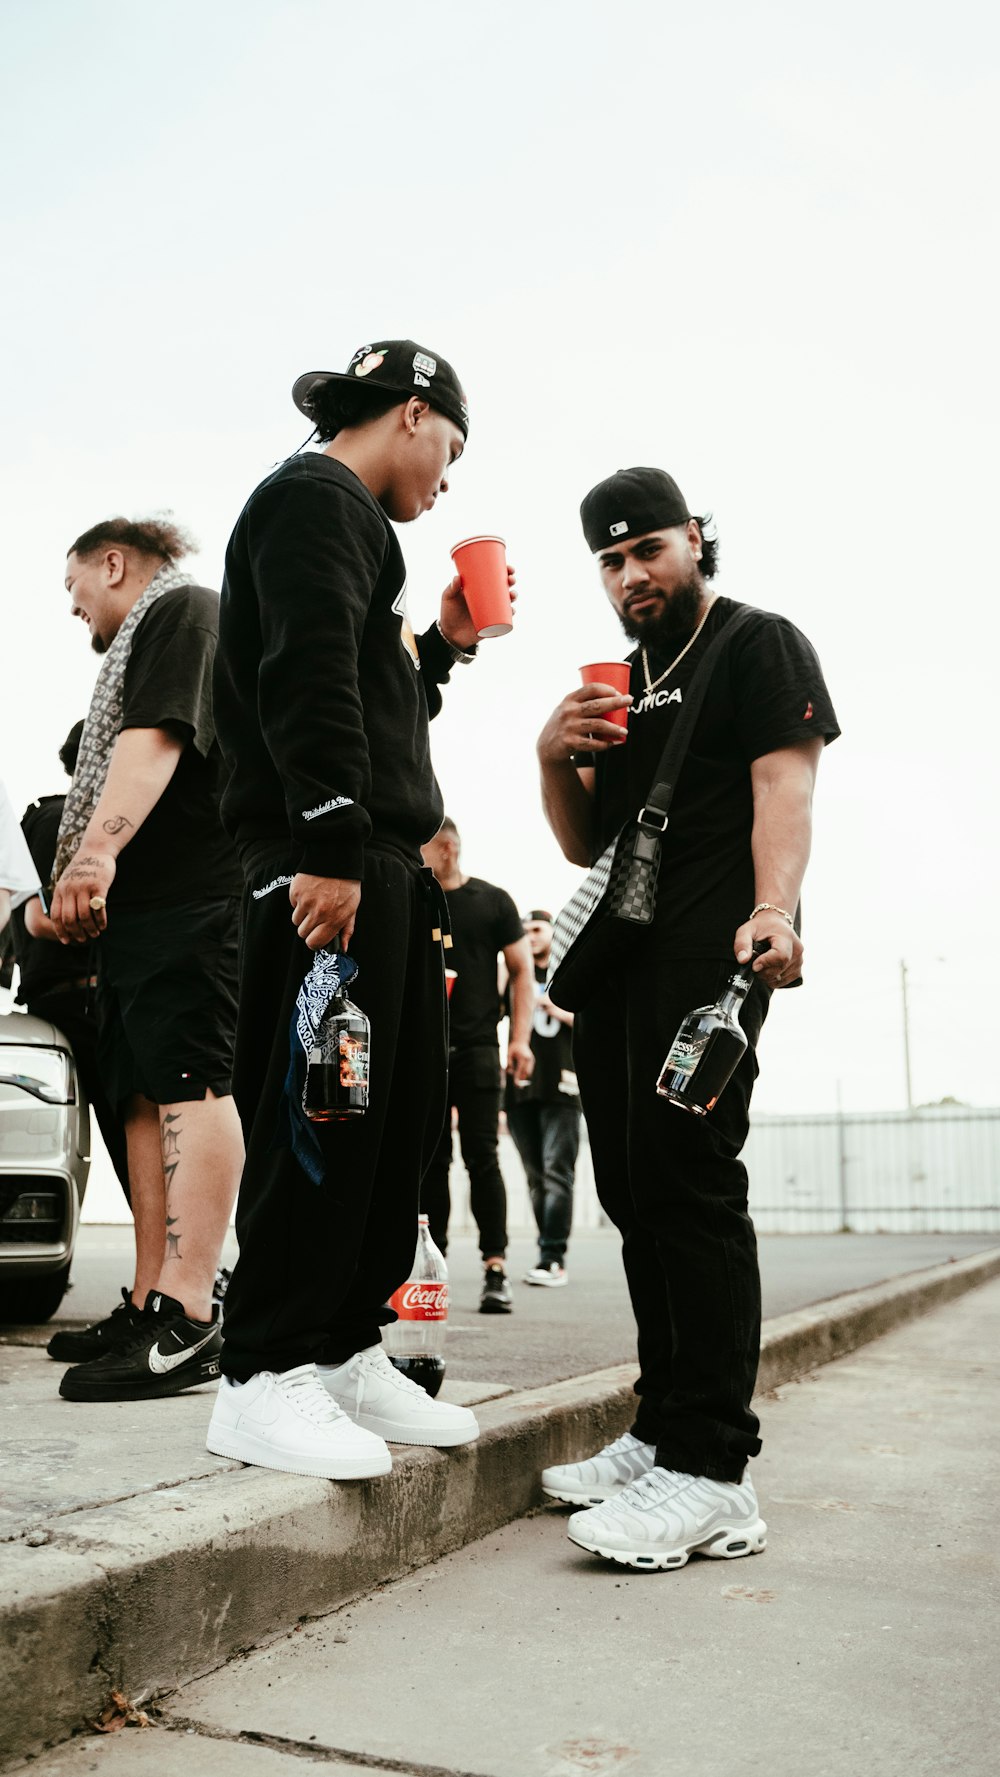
<point x="45" y="1073"/>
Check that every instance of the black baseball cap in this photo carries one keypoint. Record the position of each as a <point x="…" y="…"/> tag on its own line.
<point x="396" y="367"/>
<point x="630" y="503"/>
<point x="536" y="917"/>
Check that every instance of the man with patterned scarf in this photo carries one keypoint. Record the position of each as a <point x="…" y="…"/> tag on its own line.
<point x="143" y="864"/>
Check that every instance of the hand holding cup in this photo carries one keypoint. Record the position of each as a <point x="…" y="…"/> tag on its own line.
<point x="587" y="721"/>
<point x="610" y="675"/>
<point x="486" y="583"/>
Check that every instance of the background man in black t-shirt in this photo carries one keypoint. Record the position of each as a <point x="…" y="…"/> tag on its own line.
<point x="152" y="876"/>
<point x="485" y="924"/>
<point x="734" y="855"/>
<point x="543" y="1114"/>
<point x="57" y="983"/>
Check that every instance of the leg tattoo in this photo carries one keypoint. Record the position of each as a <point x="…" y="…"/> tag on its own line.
<point x="170" y="1140"/>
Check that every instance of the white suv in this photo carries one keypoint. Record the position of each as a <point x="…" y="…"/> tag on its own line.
<point x="44" y="1165"/>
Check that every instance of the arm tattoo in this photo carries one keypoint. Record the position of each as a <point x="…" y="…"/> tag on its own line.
<point x="116" y="824"/>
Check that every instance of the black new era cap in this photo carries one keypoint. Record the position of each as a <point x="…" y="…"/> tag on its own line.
<point x="630" y="503"/>
<point x="396" y="367"/>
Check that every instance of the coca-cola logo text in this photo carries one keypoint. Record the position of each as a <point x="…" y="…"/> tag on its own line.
<point x="422" y="1301"/>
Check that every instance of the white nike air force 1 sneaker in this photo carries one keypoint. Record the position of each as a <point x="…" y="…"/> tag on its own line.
<point x="288" y="1421"/>
<point x="600" y="1477"/>
<point x="664" y="1518"/>
<point x="376" y="1396"/>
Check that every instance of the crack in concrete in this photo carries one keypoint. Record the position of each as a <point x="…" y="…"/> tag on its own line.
<point x="57" y="1515"/>
<point x="311" y="1749"/>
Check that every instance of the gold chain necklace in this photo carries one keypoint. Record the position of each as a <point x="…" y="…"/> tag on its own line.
<point x="651" y="685"/>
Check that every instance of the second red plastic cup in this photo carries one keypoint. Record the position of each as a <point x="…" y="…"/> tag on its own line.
<point x="609" y="672"/>
<point x="450" y="977"/>
<point x="481" y="564"/>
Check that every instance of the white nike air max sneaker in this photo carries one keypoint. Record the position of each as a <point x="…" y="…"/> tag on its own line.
<point x="664" y="1517"/>
<point x="287" y="1421"/>
<point x="374" y="1394"/>
<point x="602" y="1476"/>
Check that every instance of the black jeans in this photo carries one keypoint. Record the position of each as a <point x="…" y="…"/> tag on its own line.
<point x="547" y="1138"/>
<point x="474" y="1091"/>
<point x="318" y="1264"/>
<point x="673" y="1184"/>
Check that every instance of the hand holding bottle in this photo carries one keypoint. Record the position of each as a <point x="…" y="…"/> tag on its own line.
<point x="324" y="909"/>
<point x="770" y="939"/>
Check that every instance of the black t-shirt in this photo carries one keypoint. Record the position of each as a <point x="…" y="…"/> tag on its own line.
<point x="44" y="964"/>
<point x="484" y="920"/>
<point x="322" y="692"/>
<point x="767" y="692"/>
<point x="553" y="1080"/>
<point x="180" y="852"/>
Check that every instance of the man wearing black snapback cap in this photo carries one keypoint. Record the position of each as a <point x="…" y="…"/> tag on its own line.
<point x="734" y="854"/>
<point x="323" y="698"/>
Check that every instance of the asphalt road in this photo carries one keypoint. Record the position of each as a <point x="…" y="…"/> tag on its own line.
<point x="552" y="1334"/>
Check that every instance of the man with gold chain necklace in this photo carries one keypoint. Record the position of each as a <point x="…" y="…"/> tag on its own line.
<point x="734" y="855"/>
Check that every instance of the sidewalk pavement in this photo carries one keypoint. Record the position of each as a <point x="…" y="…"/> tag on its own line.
<point x="861" y="1641"/>
<point x="137" y="1561"/>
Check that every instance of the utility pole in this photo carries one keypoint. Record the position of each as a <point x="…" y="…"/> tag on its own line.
<point x="906" y="1037"/>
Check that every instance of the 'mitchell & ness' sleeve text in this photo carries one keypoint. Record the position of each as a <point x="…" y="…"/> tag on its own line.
<point x="316" y="553"/>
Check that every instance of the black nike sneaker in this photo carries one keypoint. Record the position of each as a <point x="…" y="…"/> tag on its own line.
<point x="166" y="1354"/>
<point x="496" y="1297"/>
<point x="77" y="1346"/>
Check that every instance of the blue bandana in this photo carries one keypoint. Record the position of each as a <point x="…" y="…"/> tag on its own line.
<point x="331" y="972"/>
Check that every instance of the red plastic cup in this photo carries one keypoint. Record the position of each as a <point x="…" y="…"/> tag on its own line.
<point x="615" y="673"/>
<point x="481" y="563"/>
<point x="450" y="977"/>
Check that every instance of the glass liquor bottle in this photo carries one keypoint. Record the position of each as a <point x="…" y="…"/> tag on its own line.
<point x="708" y="1047"/>
<point x="336" y="1085"/>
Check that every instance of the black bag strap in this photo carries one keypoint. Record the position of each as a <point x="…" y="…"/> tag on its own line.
<point x="656" y="809"/>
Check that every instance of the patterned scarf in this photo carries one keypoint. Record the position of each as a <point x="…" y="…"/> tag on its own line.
<point x="104" y="719"/>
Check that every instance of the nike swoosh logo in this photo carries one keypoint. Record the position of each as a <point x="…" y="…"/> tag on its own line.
<point x="162" y="1365"/>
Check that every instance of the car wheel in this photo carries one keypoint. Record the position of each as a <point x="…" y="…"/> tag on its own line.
<point x="33" y="1298"/>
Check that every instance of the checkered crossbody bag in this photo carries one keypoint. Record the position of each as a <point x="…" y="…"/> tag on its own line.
<point x="614" y="905"/>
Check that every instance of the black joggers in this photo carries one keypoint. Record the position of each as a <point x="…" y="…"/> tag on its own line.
<point x="674" y="1186"/>
<point x="318" y="1263"/>
<point x="474" y="1092"/>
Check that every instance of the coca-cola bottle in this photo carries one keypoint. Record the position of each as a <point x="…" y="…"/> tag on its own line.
<point x="709" y="1045"/>
<point x="336" y="1083"/>
<point x="415" y="1342"/>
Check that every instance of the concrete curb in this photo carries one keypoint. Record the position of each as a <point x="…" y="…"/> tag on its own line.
<point x="143" y="1594"/>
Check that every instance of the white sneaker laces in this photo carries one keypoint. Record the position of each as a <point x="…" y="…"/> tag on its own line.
<point x="622" y="1446"/>
<point x="381" y="1365"/>
<point x="306" y="1395"/>
<point x="657" y="1483"/>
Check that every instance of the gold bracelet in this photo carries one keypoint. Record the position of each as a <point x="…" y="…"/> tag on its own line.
<point x="769" y="907"/>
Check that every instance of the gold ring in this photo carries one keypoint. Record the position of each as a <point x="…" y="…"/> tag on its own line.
<point x="97" y="903"/>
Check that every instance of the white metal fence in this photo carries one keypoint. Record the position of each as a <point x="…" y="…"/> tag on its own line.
<point x="927" y="1171"/>
<point x="902" y="1172"/>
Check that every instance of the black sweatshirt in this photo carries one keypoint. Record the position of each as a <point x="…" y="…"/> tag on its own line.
<point x="322" y="693"/>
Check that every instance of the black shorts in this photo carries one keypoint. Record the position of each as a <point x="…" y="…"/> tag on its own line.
<point x="166" y="1000"/>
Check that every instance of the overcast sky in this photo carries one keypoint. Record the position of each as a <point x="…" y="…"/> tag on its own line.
<point x="754" y="244"/>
